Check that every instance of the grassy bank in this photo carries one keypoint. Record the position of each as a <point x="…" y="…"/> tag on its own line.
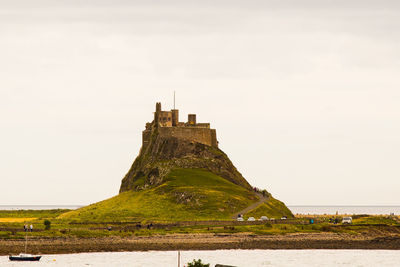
<point x="66" y="228"/>
<point x="368" y="232"/>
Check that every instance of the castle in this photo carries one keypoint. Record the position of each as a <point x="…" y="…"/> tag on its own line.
<point x="168" y="125"/>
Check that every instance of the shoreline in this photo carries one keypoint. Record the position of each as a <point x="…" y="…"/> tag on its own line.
<point x="183" y="242"/>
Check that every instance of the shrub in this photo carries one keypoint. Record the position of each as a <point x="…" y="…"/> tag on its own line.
<point x="47" y="224"/>
<point x="197" y="263"/>
<point x="326" y="228"/>
<point x="268" y="225"/>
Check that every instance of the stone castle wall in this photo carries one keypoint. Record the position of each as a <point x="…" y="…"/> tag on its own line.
<point x="201" y="135"/>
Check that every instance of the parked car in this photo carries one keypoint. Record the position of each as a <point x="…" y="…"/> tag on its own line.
<point x="240" y="219"/>
<point x="284" y="218"/>
<point x="347" y="220"/>
<point x="263" y="218"/>
<point x="251" y="219"/>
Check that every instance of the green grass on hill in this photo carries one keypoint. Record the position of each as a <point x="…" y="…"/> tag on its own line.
<point x="273" y="209"/>
<point x="386" y="220"/>
<point x="186" y="194"/>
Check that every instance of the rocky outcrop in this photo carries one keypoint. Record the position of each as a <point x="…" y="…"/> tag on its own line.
<point x="163" y="154"/>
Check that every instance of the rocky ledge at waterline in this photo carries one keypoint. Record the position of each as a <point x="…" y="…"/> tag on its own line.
<point x="180" y="174"/>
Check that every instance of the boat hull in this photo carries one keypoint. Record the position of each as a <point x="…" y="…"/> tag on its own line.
<point x="18" y="258"/>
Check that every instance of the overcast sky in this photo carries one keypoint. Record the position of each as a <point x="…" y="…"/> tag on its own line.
<point x="305" y="95"/>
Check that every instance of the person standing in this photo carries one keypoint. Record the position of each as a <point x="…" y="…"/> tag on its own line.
<point x="31" y="227"/>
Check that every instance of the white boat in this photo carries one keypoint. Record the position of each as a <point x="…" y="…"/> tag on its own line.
<point x="25" y="257"/>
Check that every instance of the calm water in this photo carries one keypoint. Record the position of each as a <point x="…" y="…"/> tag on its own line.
<point x="243" y="258"/>
<point x="377" y="210"/>
<point x="373" y="210"/>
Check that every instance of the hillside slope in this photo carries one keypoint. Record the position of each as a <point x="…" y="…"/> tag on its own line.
<point x="185" y="194"/>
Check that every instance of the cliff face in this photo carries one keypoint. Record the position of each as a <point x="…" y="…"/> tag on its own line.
<point x="164" y="154"/>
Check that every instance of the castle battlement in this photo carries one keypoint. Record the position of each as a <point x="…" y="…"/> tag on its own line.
<point x="168" y="125"/>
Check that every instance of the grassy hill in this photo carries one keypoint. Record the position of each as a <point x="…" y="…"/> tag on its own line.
<point x="272" y="209"/>
<point x="179" y="179"/>
<point x="185" y="194"/>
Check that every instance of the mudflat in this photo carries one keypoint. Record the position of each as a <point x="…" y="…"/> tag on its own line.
<point x="203" y="242"/>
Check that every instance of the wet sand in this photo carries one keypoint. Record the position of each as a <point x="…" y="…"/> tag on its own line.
<point x="203" y="242"/>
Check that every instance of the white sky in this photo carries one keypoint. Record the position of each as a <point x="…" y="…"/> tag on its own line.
<point x="305" y="95"/>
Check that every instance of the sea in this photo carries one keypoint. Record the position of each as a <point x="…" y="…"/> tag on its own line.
<point x="321" y="210"/>
<point x="296" y="209"/>
<point x="242" y="258"/>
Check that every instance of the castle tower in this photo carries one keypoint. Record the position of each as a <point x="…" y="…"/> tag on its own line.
<point x="192" y="119"/>
<point x="175" y="117"/>
<point x="157" y="114"/>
